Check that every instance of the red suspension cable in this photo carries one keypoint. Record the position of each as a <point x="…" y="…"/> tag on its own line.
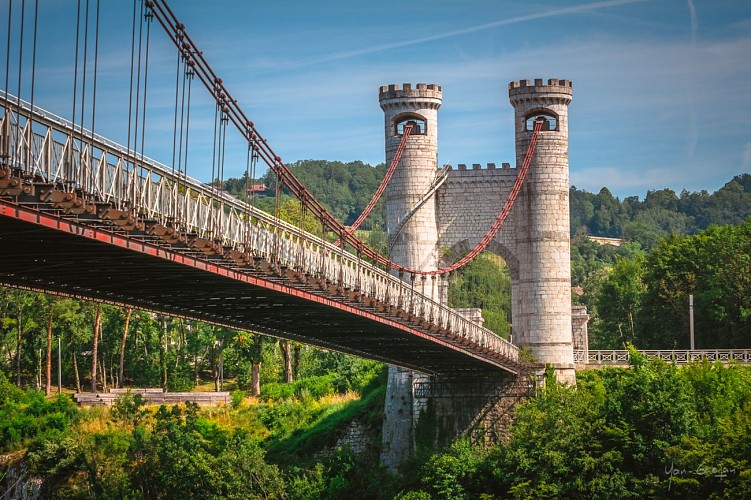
<point x="176" y="32"/>
<point x="520" y="176"/>
<point x="385" y="182"/>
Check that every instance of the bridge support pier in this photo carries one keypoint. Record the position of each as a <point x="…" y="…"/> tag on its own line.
<point x="398" y="416"/>
<point x="429" y="412"/>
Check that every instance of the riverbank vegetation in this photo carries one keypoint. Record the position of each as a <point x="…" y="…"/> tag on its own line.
<point x="653" y="430"/>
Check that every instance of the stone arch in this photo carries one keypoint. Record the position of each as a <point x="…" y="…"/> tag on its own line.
<point x="495" y="246"/>
<point x="420" y="124"/>
<point x="548" y="115"/>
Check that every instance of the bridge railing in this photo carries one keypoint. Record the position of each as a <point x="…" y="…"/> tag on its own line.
<point x="622" y="357"/>
<point x="47" y="147"/>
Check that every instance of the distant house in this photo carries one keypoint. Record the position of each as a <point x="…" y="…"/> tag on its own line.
<point x="257" y="189"/>
<point x="616" y="242"/>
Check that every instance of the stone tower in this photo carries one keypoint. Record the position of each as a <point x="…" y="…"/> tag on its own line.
<point x="534" y="241"/>
<point x="416" y="244"/>
<point x="541" y="226"/>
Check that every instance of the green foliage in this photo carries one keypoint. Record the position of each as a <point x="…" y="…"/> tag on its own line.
<point x="662" y="212"/>
<point x="652" y="431"/>
<point x="129" y="408"/>
<point x="26" y="415"/>
<point x="645" y="299"/>
<point x="237" y="399"/>
<point x="313" y="427"/>
<point x="344" y="188"/>
<point x="343" y="475"/>
<point x="714" y="266"/>
<point x="619" y="304"/>
<point x="244" y="473"/>
<point x="486" y="283"/>
<point x="292" y="211"/>
<point x="453" y="474"/>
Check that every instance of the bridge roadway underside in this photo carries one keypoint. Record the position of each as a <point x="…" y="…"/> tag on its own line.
<point x="42" y="252"/>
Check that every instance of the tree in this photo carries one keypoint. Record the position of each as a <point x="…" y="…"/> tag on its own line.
<point x="163" y="352"/>
<point x="48" y="362"/>
<point x="619" y="303"/>
<point x="20" y="317"/>
<point x="285" y="345"/>
<point x="94" y="350"/>
<point x="256" y="357"/>
<point x="293" y="212"/>
<point x="485" y="283"/>
<point x="121" y="366"/>
<point x="715" y="267"/>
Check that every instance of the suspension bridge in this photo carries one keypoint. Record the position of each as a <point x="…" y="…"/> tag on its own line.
<point x="83" y="216"/>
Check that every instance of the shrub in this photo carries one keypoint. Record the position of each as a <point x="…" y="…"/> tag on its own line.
<point x="129" y="408"/>
<point x="237" y="399"/>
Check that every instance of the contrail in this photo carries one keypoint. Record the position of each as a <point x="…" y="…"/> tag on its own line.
<point x="694" y="20"/>
<point x="473" y="29"/>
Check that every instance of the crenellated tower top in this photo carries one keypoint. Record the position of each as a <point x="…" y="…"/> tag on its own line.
<point x="428" y="95"/>
<point x="557" y="91"/>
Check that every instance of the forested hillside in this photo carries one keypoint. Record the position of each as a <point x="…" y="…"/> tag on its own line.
<point x="306" y="422"/>
<point x="662" y="212"/>
<point x="345" y="189"/>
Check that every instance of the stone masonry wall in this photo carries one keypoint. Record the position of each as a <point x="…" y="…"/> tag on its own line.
<point x="468" y="203"/>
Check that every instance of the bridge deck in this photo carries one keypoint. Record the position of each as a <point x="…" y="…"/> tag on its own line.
<point x="43" y="252"/>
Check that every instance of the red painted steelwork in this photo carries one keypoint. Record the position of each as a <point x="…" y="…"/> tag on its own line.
<point x="32" y="216"/>
<point x="385" y="181"/>
<point x="176" y="32"/>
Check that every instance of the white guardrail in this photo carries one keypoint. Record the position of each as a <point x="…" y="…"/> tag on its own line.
<point x="52" y="148"/>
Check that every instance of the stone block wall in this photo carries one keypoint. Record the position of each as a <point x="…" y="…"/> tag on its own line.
<point x="541" y="225"/>
<point x="579" y="329"/>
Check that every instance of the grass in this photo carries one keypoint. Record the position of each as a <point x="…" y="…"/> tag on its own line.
<point x="302" y="443"/>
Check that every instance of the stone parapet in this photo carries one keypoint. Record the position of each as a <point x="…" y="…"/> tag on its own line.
<point x="406" y="91"/>
<point x="558" y="90"/>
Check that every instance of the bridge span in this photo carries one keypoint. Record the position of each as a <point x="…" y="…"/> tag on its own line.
<point x="83" y="216"/>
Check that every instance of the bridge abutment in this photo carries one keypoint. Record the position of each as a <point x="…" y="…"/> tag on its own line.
<point x="430" y="412"/>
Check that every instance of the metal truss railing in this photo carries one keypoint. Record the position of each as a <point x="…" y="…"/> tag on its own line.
<point x="46" y="148"/>
<point x="621" y="357"/>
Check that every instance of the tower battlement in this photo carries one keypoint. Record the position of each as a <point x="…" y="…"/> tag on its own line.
<point x="554" y="90"/>
<point x="539" y="82"/>
<point x="407" y="91"/>
<point x="478" y="166"/>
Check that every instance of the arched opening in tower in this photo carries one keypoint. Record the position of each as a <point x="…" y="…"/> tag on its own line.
<point x="550" y="120"/>
<point x="484" y="286"/>
<point x="419" y="124"/>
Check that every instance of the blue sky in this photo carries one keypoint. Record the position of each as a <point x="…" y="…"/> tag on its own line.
<point x="661" y="88"/>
